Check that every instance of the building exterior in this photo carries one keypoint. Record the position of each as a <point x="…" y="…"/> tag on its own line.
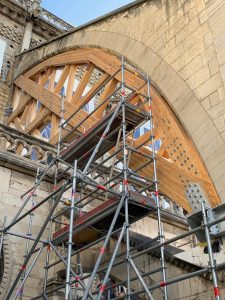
<point x="180" y="44"/>
<point x="23" y="25"/>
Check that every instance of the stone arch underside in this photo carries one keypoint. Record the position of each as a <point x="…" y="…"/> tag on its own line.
<point x="166" y="81"/>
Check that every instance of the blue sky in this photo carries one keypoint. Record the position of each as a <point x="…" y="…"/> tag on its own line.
<point x="78" y="12"/>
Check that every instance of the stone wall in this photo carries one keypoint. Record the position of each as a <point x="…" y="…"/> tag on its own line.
<point x="11" y="33"/>
<point x="13" y="185"/>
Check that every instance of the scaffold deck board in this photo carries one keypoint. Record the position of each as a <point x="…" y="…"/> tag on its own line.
<point x="97" y="221"/>
<point x="82" y="148"/>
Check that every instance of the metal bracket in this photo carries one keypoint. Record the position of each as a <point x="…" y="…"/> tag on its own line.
<point x="195" y="197"/>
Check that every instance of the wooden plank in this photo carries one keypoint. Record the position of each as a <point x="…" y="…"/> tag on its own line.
<point x="55" y="120"/>
<point x="93" y="90"/>
<point x="62" y="79"/>
<point x="16" y="98"/>
<point x="24" y="116"/>
<point x="24" y="101"/>
<point x="36" y="133"/>
<point x="18" y="124"/>
<point x="40" y="118"/>
<point x="54" y="140"/>
<point x="70" y="85"/>
<point x="109" y="89"/>
<point x="82" y="85"/>
<point x="53" y="103"/>
<point x="51" y="85"/>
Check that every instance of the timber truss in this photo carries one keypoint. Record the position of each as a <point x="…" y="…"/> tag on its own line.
<point x="85" y="74"/>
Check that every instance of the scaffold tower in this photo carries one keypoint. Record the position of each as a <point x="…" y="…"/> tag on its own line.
<point x="95" y="165"/>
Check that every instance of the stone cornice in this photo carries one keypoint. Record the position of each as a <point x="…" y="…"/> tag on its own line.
<point x="45" y="15"/>
<point x="48" y="25"/>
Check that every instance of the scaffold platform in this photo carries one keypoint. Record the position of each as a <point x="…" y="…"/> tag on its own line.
<point x="96" y="222"/>
<point x="82" y="148"/>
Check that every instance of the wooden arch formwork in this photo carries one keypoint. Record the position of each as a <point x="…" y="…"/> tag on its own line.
<point x="82" y="75"/>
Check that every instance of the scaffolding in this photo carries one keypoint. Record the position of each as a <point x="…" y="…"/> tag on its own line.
<point x="126" y="197"/>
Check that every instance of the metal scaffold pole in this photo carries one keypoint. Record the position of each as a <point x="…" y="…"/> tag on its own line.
<point x="26" y="275"/>
<point x="160" y="225"/>
<point x="70" y="238"/>
<point x="33" y="247"/>
<point x="125" y="229"/>
<point x="125" y="181"/>
<point x="29" y="233"/>
<point x="54" y="189"/>
<point x="212" y="262"/>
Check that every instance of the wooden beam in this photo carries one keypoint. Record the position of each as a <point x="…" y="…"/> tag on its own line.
<point x="90" y="94"/>
<point x="53" y="103"/>
<point x="18" y="124"/>
<point x="62" y="79"/>
<point x="23" y="103"/>
<point x="78" y="56"/>
<point x="24" y="116"/>
<point x="42" y="80"/>
<point x="71" y="80"/>
<point x="54" y="139"/>
<point x="55" y="120"/>
<point x="16" y="98"/>
<point x="51" y="85"/>
<point x="109" y="89"/>
<point x="40" y="118"/>
<point x="36" y="133"/>
<point x="77" y="97"/>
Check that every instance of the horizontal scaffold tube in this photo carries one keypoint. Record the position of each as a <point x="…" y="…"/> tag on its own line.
<point x="177" y="279"/>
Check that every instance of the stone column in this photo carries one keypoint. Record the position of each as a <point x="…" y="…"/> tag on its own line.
<point x="25" y="45"/>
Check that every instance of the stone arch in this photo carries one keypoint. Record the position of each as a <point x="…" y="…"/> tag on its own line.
<point x="5" y="266"/>
<point x="178" y="94"/>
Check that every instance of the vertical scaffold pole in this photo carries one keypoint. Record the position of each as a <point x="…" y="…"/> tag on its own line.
<point x="29" y="230"/>
<point x="70" y="238"/>
<point x="26" y="275"/>
<point x="103" y="248"/>
<point x="38" y="237"/>
<point x="125" y="182"/>
<point x="54" y="188"/>
<point x="160" y="225"/>
<point x="212" y="262"/>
